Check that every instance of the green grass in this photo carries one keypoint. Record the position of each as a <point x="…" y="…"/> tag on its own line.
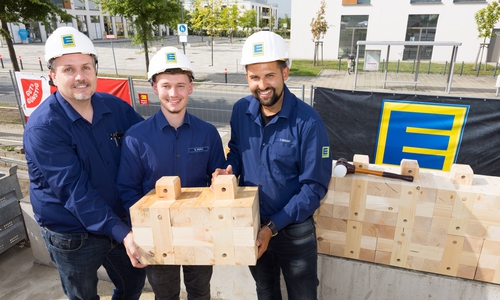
<point x="307" y="68"/>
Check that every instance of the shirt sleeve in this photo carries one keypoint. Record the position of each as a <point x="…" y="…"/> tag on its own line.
<point x="61" y="167"/>
<point x="314" y="177"/>
<point x="130" y="174"/>
<point x="217" y="157"/>
<point x="233" y="157"/>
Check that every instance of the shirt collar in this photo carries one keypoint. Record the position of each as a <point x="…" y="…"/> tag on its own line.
<point x="162" y="122"/>
<point x="99" y="107"/>
<point x="289" y="103"/>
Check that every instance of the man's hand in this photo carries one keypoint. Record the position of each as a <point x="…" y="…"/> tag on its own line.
<point x="263" y="237"/>
<point x="226" y="171"/>
<point x="132" y="252"/>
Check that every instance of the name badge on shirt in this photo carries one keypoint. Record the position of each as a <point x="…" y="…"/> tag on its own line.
<point x="198" y="149"/>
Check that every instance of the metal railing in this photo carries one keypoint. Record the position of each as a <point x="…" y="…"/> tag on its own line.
<point x="212" y="102"/>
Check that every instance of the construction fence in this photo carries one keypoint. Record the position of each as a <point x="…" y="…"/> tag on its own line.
<point x="212" y="102"/>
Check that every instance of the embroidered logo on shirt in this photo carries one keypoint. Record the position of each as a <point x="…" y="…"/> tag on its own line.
<point x="198" y="149"/>
<point x="283" y="140"/>
<point x="68" y="40"/>
<point x="325" y="152"/>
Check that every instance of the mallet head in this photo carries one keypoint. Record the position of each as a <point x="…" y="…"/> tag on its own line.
<point x="343" y="167"/>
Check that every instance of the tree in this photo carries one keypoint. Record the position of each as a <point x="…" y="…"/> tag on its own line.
<point x="206" y="15"/>
<point x="319" y="27"/>
<point x="284" y="24"/>
<point x="486" y="18"/>
<point x="229" y="17"/>
<point x="248" y="20"/>
<point x="21" y="11"/>
<point x="146" y="16"/>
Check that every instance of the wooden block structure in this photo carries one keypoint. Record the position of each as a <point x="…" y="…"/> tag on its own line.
<point x="442" y="222"/>
<point x="195" y="226"/>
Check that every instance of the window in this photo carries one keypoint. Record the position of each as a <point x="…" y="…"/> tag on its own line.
<point x="79" y="4"/>
<point x="93" y="5"/>
<point x="352" y="2"/>
<point x="352" y="30"/>
<point x="422" y="1"/>
<point x="420" y="28"/>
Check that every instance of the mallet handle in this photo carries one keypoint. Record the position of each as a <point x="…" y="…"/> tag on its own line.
<point x="384" y="174"/>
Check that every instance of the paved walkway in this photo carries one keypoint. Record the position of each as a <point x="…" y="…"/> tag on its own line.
<point x="211" y="66"/>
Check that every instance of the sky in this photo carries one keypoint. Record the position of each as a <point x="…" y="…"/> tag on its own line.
<point x="284" y="7"/>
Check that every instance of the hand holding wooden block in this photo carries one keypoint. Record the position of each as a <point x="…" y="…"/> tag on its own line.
<point x="195" y="226"/>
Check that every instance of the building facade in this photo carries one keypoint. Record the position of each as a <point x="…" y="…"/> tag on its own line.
<point x="392" y="20"/>
<point x="89" y="19"/>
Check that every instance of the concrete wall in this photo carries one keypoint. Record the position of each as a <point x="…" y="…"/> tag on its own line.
<point x="388" y="22"/>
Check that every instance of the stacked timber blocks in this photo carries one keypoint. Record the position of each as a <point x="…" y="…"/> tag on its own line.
<point x="195" y="226"/>
<point x="442" y="222"/>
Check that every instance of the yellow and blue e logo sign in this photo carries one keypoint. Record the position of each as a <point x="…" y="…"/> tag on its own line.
<point x="430" y="133"/>
<point x="258" y="49"/>
<point x="67" y="40"/>
<point x="170" y="57"/>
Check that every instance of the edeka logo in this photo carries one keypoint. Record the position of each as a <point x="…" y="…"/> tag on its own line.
<point x="67" y="40"/>
<point x="32" y="89"/>
<point x="430" y="133"/>
<point x="258" y="49"/>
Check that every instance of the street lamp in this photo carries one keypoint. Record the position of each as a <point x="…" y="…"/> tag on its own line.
<point x="181" y="2"/>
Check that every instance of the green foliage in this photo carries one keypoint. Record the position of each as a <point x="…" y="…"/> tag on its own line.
<point x="22" y="11"/>
<point x="146" y="16"/>
<point x="486" y="18"/>
<point x="319" y="26"/>
<point x="206" y="16"/>
<point x="248" y="20"/>
<point x="307" y="68"/>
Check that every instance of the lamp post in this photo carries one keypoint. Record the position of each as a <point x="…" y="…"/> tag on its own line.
<point x="181" y="2"/>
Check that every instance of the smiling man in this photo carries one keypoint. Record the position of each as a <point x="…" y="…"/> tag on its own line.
<point x="72" y="163"/>
<point x="170" y="143"/>
<point x="279" y="144"/>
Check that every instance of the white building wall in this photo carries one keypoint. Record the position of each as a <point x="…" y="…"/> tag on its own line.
<point x="388" y="22"/>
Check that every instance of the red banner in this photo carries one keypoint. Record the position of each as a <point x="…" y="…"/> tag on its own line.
<point x="34" y="88"/>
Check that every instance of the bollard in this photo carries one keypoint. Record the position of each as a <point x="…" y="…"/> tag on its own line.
<point x="40" y="62"/>
<point x="225" y="74"/>
<point x="1" y="61"/>
<point x="429" y="67"/>
<point x="21" y="62"/>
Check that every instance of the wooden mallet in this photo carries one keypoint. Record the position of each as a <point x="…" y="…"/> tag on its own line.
<point x="343" y="167"/>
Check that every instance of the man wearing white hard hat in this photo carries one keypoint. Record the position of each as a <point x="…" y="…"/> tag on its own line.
<point x="170" y="143"/>
<point x="72" y="148"/>
<point x="279" y="144"/>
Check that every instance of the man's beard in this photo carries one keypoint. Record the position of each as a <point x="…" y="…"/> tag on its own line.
<point x="270" y="102"/>
<point x="81" y="96"/>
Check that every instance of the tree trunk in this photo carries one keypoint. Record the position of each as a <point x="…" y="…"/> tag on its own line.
<point x="146" y="50"/>
<point x="10" y="46"/>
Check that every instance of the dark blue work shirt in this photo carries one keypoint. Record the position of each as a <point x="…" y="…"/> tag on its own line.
<point x="73" y="163"/>
<point x="153" y="149"/>
<point x="288" y="159"/>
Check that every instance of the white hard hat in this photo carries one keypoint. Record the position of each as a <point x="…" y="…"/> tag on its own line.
<point x="68" y="40"/>
<point x="264" y="46"/>
<point x="168" y="58"/>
